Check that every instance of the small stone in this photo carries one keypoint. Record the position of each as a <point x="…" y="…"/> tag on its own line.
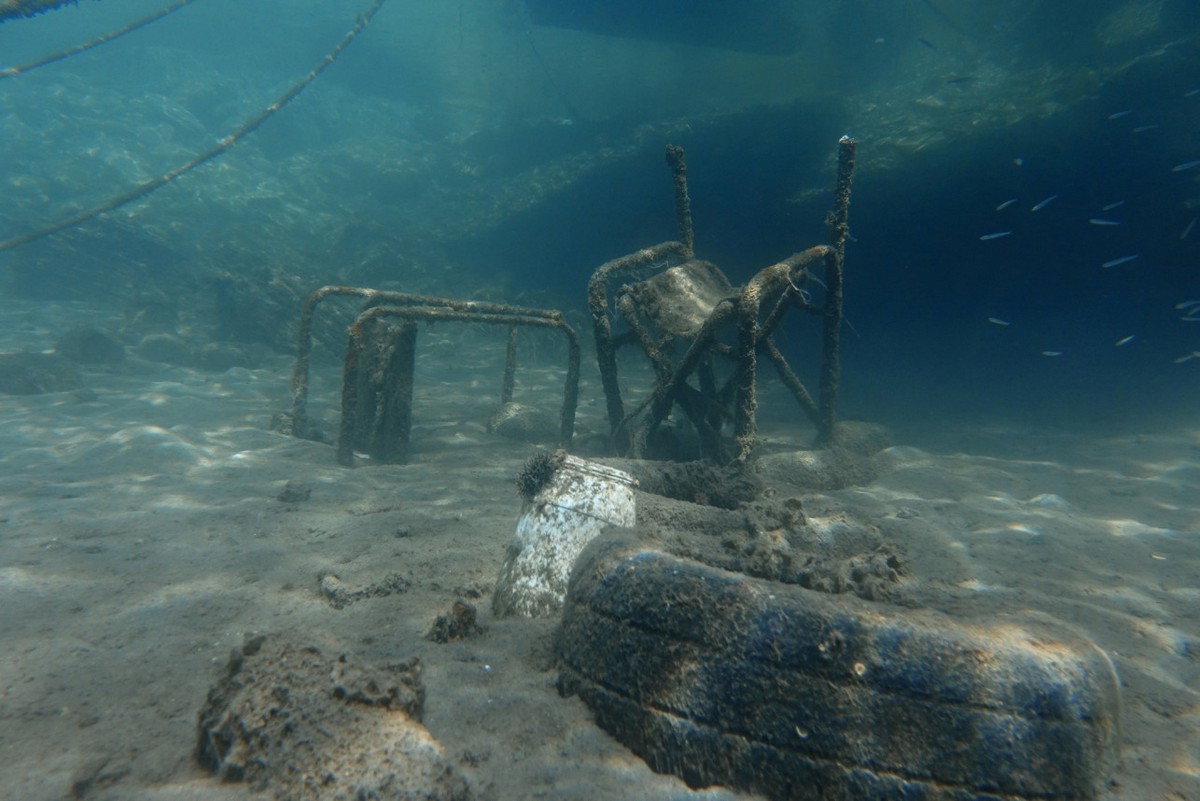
<point x="91" y="346"/>
<point x="295" y="492"/>
<point x="165" y="348"/>
<point x="458" y="625"/>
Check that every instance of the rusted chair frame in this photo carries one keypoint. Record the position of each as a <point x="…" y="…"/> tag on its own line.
<point x="374" y="297"/>
<point x="743" y="310"/>
<point x="476" y="309"/>
<point x="779" y="281"/>
<point x="445" y="313"/>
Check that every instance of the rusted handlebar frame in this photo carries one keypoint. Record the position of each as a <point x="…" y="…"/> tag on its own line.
<point x="377" y="296"/>
<point x="460" y="311"/>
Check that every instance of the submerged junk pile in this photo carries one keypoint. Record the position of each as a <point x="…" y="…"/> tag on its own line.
<point x="741" y="643"/>
<point x="679" y="310"/>
<point x="707" y="621"/>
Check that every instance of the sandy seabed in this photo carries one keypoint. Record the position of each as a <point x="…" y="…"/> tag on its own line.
<point x="143" y="536"/>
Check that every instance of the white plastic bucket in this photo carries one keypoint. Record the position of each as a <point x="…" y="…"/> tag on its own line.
<point x="579" y="501"/>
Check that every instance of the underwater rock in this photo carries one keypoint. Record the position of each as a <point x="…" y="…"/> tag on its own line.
<point x="165" y="348"/>
<point x="340" y="595"/>
<point x="26" y="373"/>
<point x="850" y="460"/>
<point x="704" y="483"/>
<point x="263" y="306"/>
<point x="289" y="720"/>
<point x="857" y="436"/>
<point x="220" y="356"/>
<point x="460" y="624"/>
<point x="295" y="491"/>
<point x="152" y="310"/>
<point x="523" y="423"/>
<point x="90" y="345"/>
<point x="313" y="430"/>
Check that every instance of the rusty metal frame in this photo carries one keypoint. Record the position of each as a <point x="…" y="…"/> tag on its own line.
<point x="412" y="308"/>
<point x="778" y="287"/>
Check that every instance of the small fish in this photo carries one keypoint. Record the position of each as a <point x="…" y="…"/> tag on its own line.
<point x="1120" y="261"/>
<point x="1112" y="206"/>
<point x="1052" y="353"/>
<point x="1044" y="203"/>
<point x="1100" y="221"/>
<point x="1193" y="355"/>
<point x="1116" y="115"/>
<point x="927" y="43"/>
<point x="1192" y="92"/>
<point x="998" y="321"/>
<point x="1006" y="204"/>
<point x="996" y="235"/>
<point x="1125" y="340"/>
<point x="1187" y="304"/>
<point x="962" y="80"/>
<point x="1187" y="165"/>
<point x="1188" y="230"/>
<point x="1144" y="128"/>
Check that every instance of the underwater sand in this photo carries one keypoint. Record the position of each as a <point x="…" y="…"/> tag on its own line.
<point x="142" y="536"/>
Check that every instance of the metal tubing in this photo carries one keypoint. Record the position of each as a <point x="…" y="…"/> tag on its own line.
<point x="606" y="347"/>
<point x="683" y="204"/>
<point x="839" y="229"/>
<point x="510" y="367"/>
<point x="768" y="284"/>
<point x="445" y="313"/>
<point x="375" y="296"/>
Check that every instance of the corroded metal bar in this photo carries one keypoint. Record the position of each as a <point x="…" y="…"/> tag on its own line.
<point x="683" y="203"/>
<point x="510" y="367"/>
<point x="766" y="285"/>
<point x="606" y="346"/>
<point x="376" y="296"/>
<point x="666" y="392"/>
<point x="792" y="382"/>
<point x="394" y="427"/>
<point x="382" y="416"/>
<point x="643" y="336"/>
<point x="444" y="314"/>
<point x="839" y="229"/>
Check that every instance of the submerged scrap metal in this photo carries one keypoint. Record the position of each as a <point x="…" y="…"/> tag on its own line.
<point x="688" y="303"/>
<point x="377" y="381"/>
<point x="677" y="316"/>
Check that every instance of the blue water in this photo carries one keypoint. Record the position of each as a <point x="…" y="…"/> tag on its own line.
<point x="1022" y="281"/>
<point x="508" y="149"/>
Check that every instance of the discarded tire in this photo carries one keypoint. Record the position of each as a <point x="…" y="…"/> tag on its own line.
<point x="724" y="679"/>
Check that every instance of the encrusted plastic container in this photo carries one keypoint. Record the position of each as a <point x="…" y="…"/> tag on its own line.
<point x="578" y="501"/>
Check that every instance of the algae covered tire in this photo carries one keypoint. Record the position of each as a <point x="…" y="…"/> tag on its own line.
<point x="724" y="679"/>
